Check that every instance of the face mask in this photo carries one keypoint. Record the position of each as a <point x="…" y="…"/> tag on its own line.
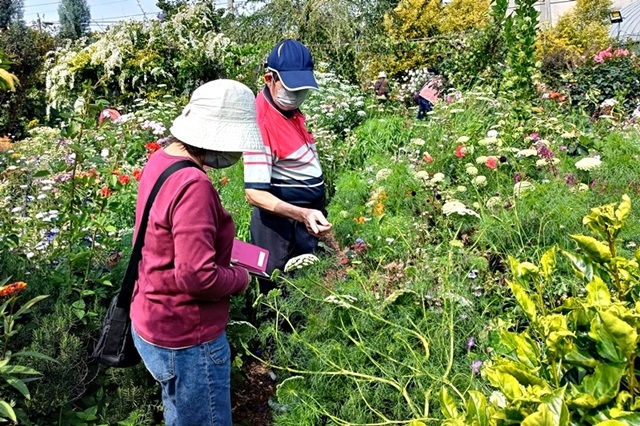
<point x="220" y="159"/>
<point x="289" y="100"/>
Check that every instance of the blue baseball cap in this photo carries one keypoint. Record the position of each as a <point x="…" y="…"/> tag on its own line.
<point x="293" y="63"/>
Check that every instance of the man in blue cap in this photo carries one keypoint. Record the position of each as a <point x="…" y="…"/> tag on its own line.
<point x="285" y="182"/>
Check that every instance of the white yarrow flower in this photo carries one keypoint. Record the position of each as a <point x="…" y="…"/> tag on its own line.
<point x="527" y="153"/>
<point x="479" y="180"/>
<point x="383" y="174"/>
<point x="457" y="207"/>
<point x="521" y="187"/>
<point x="588" y="163"/>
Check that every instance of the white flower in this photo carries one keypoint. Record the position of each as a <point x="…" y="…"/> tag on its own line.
<point x="16" y="209"/>
<point x="487" y="141"/>
<point x="521" y="187"/>
<point x="463" y="139"/>
<point x="104" y="153"/>
<point x="471" y="170"/>
<point x="588" y="163"/>
<point x="527" y="153"/>
<point x="493" y="202"/>
<point x="361" y="113"/>
<point x="461" y="188"/>
<point x="541" y="163"/>
<point x="482" y="159"/>
<point x="479" y="180"/>
<point x="608" y="103"/>
<point x="438" y="177"/>
<point x="417" y="141"/>
<point x="457" y="207"/>
<point x="422" y="175"/>
<point x="492" y="133"/>
<point x="342" y="300"/>
<point x="383" y="174"/>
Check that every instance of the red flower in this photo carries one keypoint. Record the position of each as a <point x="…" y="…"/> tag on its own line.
<point x="136" y="174"/>
<point x="461" y="151"/>
<point x="12" y="288"/>
<point x="224" y="181"/>
<point x="491" y="163"/>
<point x="105" y="192"/>
<point x="124" y="179"/>
<point x="152" y="146"/>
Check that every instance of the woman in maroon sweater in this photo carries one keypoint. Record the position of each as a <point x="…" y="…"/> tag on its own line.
<point x="180" y="304"/>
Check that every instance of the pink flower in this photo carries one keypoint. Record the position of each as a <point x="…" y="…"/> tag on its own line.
<point x="461" y="151"/>
<point x="491" y="163"/>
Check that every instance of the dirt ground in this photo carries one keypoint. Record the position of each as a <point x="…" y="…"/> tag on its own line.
<point x="250" y="398"/>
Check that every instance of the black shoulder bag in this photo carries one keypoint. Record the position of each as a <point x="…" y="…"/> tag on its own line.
<point x="115" y="346"/>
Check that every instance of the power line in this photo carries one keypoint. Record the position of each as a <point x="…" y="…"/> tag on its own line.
<point x="90" y="6"/>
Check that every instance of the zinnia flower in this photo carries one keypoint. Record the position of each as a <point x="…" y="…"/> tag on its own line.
<point x="124" y="179"/>
<point x="12" y="288"/>
<point x="461" y="151"/>
<point x="491" y="163"/>
<point x="105" y="192"/>
<point x="136" y="174"/>
<point x="588" y="163"/>
<point x="152" y="146"/>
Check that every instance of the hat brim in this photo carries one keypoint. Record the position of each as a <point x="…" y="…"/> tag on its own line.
<point x="298" y="80"/>
<point x="225" y="136"/>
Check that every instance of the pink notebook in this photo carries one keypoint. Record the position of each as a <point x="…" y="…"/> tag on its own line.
<point x="251" y="257"/>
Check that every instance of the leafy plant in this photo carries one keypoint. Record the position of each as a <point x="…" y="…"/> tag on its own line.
<point x="14" y="375"/>
<point x="573" y="364"/>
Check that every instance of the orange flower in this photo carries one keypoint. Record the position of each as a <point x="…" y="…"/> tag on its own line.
<point x="224" y="181"/>
<point x="105" y="192"/>
<point x="427" y="158"/>
<point x="359" y="220"/>
<point x="12" y="288"/>
<point x="491" y="163"/>
<point x="124" y="179"/>
<point x="152" y="146"/>
<point x="136" y="174"/>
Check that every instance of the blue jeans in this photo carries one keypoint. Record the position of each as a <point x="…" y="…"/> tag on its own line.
<point x="424" y="106"/>
<point x="196" y="381"/>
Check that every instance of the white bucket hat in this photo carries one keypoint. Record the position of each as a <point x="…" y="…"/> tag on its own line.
<point x="221" y="116"/>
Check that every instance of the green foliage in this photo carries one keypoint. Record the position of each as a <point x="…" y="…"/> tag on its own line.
<point x="10" y="11"/>
<point x="74" y="19"/>
<point x="520" y="38"/>
<point x="26" y="49"/>
<point x="582" y="354"/>
<point x="141" y="59"/>
<point x="579" y="34"/>
<point x="8" y="81"/>
<point x="611" y="74"/>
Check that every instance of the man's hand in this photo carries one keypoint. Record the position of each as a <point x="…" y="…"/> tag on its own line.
<point x="316" y="223"/>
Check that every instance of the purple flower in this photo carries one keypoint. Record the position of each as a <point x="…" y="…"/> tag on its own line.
<point x="534" y="136"/>
<point x="475" y="366"/>
<point x="470" y="343"/>
<point x="563" y="147"/>
<point x="516" y="177"/>
<point x="570" y="179"/>
<point x="359" y="241"/>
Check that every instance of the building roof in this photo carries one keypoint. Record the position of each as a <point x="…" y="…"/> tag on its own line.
<point x="629" y="28"/>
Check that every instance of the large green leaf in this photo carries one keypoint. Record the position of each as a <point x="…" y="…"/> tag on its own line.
<point x="542" y="417"/>
<point x="611" y="423"/>
<point x="556" y="404"/>
<point x="523" y="299"/>
<point x="623" y="210"/>
<point x="477" y="409"/>
<point x="525" y="375"/>
<point x="548" y="262"/>
<point x="19" y="385"/>
<point x="447" y="405"/>
<point x="594" y="249"/>
<point x="506" y="383"/>
<point x="598" y="293"/>
<point x="582" y="266"/>
<point x="6" y="411"/>
<point x="615" y="339"/>
<point x="600" y="387"/>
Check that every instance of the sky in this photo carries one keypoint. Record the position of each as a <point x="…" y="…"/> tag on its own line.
<point x="103" y="12"/>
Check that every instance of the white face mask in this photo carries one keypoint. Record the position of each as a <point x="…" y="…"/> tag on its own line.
<point x="221" y="159"/>
<point x="289" y="100"/>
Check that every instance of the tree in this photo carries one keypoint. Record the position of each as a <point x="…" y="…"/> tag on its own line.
<point x="8" y="81"/>
<point x="10" y="11"/>
<point x="74" y="18"/>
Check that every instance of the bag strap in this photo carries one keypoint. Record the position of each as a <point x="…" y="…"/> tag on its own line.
<point x="126" y="292"/>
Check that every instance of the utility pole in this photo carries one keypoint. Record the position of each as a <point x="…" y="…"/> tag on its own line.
<point x="545" y="13"/>
<point x="230" y="7"/>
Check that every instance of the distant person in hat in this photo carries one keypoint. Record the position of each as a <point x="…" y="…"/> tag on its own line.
<point x="180" y="304"/>
<point x="381" y="87"/>
<point x="285" y="183"/>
